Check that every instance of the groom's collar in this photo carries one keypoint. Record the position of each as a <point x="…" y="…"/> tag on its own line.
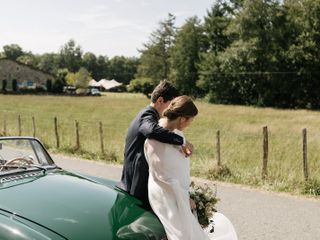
<point x="154" y="110"/>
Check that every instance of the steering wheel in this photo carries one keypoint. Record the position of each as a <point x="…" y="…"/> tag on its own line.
<point x="18" y="159"/>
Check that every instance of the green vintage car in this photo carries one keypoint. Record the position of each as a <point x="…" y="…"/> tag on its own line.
<point x="39" y="200"/>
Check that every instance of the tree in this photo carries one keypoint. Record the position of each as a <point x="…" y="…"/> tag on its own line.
<point x="141" y="85"/>
<point x="12" y="51"/>
<point x="216" y="23"/>
<point x="60" y="80"/>
<point x="28" y="59"/>
<point x="82" y="78"/>
<point x="122" y="69"/>
<point x="185" y="56"/>
<point x="89" y="61"/>
<point x="224" y="75"/>
<point x="49" y="62"/>
<point x="102" y="68"/>
<point x="70" y="78"/>
<point x="304" y="51"/>
<point x="245" y="68"/>
<point x="71" y="56"/>
<point x="154" y="60"/>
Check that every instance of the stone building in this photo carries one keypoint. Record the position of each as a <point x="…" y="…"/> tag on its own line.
<point x="16" y="76"/>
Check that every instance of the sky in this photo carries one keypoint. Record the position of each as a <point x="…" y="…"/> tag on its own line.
<point x="103" y="27"/>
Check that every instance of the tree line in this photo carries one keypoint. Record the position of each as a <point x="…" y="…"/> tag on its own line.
<point x="71" y="66"/>
<point x="251" y="52"/>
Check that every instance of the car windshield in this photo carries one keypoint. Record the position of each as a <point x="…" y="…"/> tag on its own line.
<point x="16" y="153"/>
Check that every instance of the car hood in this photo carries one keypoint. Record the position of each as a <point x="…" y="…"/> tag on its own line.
<point x="76" y="207"/>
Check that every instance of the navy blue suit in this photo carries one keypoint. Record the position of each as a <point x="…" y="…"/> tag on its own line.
<point x="135" y="171"/>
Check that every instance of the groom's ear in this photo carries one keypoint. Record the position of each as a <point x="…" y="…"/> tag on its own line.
<point x="160" y="100"/>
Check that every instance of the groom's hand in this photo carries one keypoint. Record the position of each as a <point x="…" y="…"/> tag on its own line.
<point x="187" y="149"/>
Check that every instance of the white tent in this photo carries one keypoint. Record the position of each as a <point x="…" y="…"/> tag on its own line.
<point x="108" y="84"/>
<point x="93" y="83"/>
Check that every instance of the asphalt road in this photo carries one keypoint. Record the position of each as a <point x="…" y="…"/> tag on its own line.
<point x="255" y="214"/>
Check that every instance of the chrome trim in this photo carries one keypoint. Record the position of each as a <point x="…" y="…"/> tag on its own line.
<point x="18" y="177"/>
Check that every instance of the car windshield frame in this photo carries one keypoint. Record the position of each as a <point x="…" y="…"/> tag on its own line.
<point x="21" y="158"/>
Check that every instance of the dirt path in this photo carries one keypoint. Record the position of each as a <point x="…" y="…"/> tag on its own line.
<point x="256" y="214"/>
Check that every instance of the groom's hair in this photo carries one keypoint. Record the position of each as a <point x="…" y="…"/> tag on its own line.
<point x="165" y="90"/>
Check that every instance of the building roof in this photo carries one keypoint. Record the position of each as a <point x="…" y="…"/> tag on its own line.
<point x="26" y="65"/>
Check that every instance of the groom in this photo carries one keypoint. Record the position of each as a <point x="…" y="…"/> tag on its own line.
<point x="135" y="171"/>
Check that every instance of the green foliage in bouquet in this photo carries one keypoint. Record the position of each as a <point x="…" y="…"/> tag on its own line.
<point x="205" y="199"/>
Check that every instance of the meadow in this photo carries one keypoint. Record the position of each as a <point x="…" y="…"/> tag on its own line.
<point x="240" y="131"/>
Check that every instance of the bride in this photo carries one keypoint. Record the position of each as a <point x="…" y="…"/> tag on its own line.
<point x="169" y="177"/>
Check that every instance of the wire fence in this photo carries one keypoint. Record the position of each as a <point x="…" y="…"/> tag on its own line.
<point x="105" y="140"/>
<point x="96" y="138"/>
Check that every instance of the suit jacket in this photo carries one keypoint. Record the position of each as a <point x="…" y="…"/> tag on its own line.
<point x="135" y="171"/>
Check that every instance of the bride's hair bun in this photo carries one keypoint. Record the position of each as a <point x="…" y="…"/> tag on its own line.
<point x="181" y="106"/>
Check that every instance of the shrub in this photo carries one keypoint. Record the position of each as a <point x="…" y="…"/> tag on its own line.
<point x="141" y="85"/>
<point x="219" y="172"/>
<point x="312" y="187"/>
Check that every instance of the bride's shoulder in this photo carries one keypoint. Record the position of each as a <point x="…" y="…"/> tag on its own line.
<point x="178" y="132"/>
<point x="154" y="144"/>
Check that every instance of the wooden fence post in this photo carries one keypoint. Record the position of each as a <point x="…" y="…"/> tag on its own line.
<point x="34" y="126"/>
<point x="304" y="154"/>
<point x="56" y="131"/>
<point x="5" y="124"/>
<point x="265" y="153"/>
<point x="218" y="149"/>
<point x="101" y="137"/>
<point x="19" y="125"/>
<point x="77" y="135"/>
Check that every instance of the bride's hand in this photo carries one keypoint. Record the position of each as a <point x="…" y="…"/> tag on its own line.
<point x="192" y="204"/>
<point x="187" y="149"/>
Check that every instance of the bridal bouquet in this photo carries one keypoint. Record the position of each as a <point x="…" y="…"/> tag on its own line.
<point x="205" y="199"/>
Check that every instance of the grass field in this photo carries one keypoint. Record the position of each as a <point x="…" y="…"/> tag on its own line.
<point x="240" y="129"/>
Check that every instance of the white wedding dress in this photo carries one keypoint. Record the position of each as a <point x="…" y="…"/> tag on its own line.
<point x="168" y="186"/>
